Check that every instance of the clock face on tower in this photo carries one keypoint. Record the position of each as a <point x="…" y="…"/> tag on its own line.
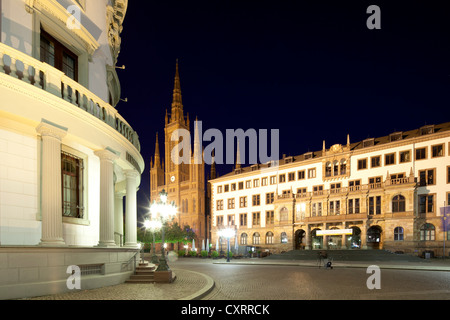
<point x="172" y="178"/>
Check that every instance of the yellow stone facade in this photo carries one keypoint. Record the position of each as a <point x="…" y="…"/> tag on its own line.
<point x="387" y="190"/>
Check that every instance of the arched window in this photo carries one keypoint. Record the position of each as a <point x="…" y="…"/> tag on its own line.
<point x="256" y="238"/>
<point x="284" y="214"/>
<point x="343" y="166"/>
<point x="398" y="203"/>
<point x="335" y="168"/>
<point x="284" y="238"/>
<point x="244" y="238"/>
<point x="398" y="234"/>
<point x="427" y="232"/>
<point x="269" y="237"/>
<point x="328" y="169"/>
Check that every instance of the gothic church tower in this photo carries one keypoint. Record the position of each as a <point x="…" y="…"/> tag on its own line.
<point x="185" y="182"/>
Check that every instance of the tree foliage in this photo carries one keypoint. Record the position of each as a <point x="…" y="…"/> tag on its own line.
<point x="173" y="233"/>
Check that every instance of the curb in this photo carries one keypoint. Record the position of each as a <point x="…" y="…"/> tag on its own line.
<point x="345" y="265"/>
<point x="202" y="292"/>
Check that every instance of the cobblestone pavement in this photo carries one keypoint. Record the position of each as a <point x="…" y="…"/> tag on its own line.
<point x="187" y="285"/>
<point x="249" y="279"/>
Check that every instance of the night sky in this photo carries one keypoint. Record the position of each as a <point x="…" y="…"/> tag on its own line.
<point x="309" y="68"/>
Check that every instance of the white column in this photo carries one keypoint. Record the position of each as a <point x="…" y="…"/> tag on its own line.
<point x="118" y="217"/>
<point x="51" y="195"/>
<point x="107" y="158"/>
<point x="131" y="209"/>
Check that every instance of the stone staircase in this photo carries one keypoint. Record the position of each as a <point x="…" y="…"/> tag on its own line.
<point x="145" y="273"/>
<point x="345" y="255"/>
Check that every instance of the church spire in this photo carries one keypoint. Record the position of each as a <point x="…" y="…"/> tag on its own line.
<point x="177" y="105"/>
<point x="157" y="156"/>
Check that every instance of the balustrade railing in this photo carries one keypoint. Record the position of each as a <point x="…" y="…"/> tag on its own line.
<point x="41" y="75"/>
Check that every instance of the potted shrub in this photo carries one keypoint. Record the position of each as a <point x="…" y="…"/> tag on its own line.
<point x="204" y="254"/>
<point x="193" y="253"/>
<point x="214" y="254"/>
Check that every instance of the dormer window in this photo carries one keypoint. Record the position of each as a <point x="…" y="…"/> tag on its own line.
<point x="368" y="142"/>
<point x="289" y="159"/>
<point x="395" y="136"/>
<point x="308" y="155"/>
<point x="427" y="130"/>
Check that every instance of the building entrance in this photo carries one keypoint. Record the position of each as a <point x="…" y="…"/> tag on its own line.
<point x="374" y="237"/>
<point x="300" y="239"/>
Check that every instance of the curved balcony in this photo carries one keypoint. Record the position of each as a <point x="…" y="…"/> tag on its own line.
<point x="41" y="75"/>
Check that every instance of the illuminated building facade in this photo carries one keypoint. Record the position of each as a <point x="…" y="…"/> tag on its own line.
<point x="380" y="193"/>
<point x="68" y="159"/>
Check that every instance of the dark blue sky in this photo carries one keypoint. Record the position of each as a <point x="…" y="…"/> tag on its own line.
<point x="309" y="68"/>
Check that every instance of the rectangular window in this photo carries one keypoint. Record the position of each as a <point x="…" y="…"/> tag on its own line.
<point x="219" y="189"/>
<point x="350" y="206"/>
<point x="58" y="56"/>
<point x="375" y="182"/>
<point x="269" y="217"/>
<point x="282" y="178"/>
<point x="219" y="205"/>
<point x="448" y="177"/>
<point x="248" y="184"/>
<point x="72" y="185"/>
<point x="243" y="219"/>
<point x="405" y="156"/>
<point x="389" y="159"/>
<point x="270" y="197"/>
<point x="241" y="185"/>
<point x="421" y="153"/>
<point x="301" y="175"/>
<point x="256" y="200"/>
<point x="362" y="164"/>
<point x="291" y="176"/>
<point x="233" y="187"/>
<point x="426" y="177"/>
<point x="230" y="219"/>
<point x="256" y="218"/>
<point x="311" y="173"/>
<point x="375" y="205"/>
<point x="242" y="202"/>
<point x="255" y="183"/>
<point x="426" y="203"/>
<point x="273" y="179"/>
<point x="227" y="188"/>
<point x="354" y="185"/>
<point x="264" y="181"/>
<point x="231" y="203"/>
<point x="317" y="190"/>
<point x="220" y="220"/>
<point x="437" y="151"/>
<point x="375" y="162"/>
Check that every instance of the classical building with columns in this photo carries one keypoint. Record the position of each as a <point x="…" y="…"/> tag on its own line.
<point x="380" y="193"/>
<point x="70" y="164"/>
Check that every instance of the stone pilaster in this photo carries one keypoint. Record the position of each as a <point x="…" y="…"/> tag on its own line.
<point x="118" y="218"/>
<point x="107" y="158"/>
<point x="51" y="195"/>
<point x="131" y="209"/>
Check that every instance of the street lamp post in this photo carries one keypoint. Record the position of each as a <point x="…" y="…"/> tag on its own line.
<point x="165" y="211"/>
<point x="227" y="233"/>
<point x="153" y="226"/>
